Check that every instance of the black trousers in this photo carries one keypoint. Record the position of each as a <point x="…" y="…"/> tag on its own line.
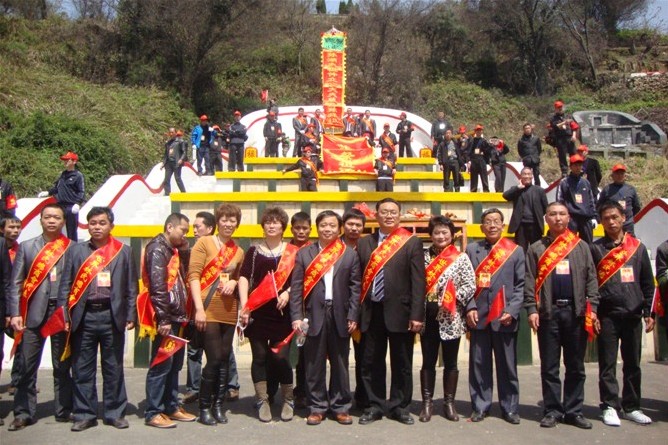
<point x="318" y="349"/>
<point x="499" y="177"/>
<point x="431" y="342"/>
<point x="236" y="162"/>
<point x="405" y="144"/>
<point x="582" y="226"/>
<point x="299" y="145"/>
<point x="628" y="332"/>
<point x="527" y="234"/>
<point x="384" y="185"/>
<point x="31" y="347"/>
<point x="376" y="339"/>
<point x="271" y="148"/>
<point x="361" y="399"/>
<point x="451" y="167"/>
<point x="564" y="149"/>
<point x="194" y="365"/>
<point x="479" y="168"/>
<point x="71" y="222"/>
<point x="563" y="331"/>
<point x="308" y="185"/>
<point x="172" y="168"/>
<point x="215" y="161"/>
<point x="265" y="361"/>
<point x="97" y="330"/>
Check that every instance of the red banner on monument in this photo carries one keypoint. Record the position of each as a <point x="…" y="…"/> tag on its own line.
<point x="333" y="61"/>
<point x="346" y="155"/>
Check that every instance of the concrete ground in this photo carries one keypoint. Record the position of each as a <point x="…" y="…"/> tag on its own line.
<point x="243" y="427"/>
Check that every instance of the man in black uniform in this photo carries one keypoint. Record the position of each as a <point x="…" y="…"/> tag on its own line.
<point x="175" y="155"/>
<point x="624" y="194"/>
<point x="309" y="167"/>
<point x="405" y="130"/>
<point x="69" y="192"/>
<point x="591" y="170"/>
<point x="575" y="193"/>
<point x="497" y="157"/>
<point x="215" y="154"/>
<point x="272" y="132"/>
<point x="448" y="160"/>
<point x="438" y="128"/>
<point x="388" y="140"/>
<point x="478" y="156"/>
<point x="529" y="205"/>
<point x="561" y="129"/>
<point x="529" y="149"/>
<point x="385" y="170"/>
<point x="238" y="137"/>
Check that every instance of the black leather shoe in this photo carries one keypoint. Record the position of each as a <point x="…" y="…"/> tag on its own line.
<point x="512" y="418"/>
<point x="83" y="425"/>
<point x="578" y="421"/>
<point x="121" y="423"/>
<point x="65" y="419"/>
<point x="548" y="421"/>
<point x="369" y="417"/>
<point x="404" y="418"/>
<point x="19" y="424"/>
<point x="478" y="416"/>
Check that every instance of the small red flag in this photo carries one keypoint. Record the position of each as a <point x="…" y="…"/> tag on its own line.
<point x="449" y="302"/>
<point x="264" y="293"/>
<point x="169" y="346"/>
<point x="276" y="349"/>
<point x="657" y="304"/>
<point x="55" y="323"/>
<point x="497" y="306"/>
<point x="145" y="315"/>
<point x="264" y="96"/>
<point x="589" y="323"/>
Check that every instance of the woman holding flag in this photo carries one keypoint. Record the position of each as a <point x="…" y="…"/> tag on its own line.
<point x="213" y="274"/>
<point x="264" y="287"/>
<point x="450" y="283"/>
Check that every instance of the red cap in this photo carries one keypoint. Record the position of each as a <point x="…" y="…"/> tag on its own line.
<point x="558" y="104"/>
<point x="402" y="114"/>
<point x="216" y="127"/>
<point x="618" y="167"/>
<point x="271" y="113"/>
<point x="462" y="129"/>
<point x="69" y="155"/>
<point x="478" y="127"/>
<point x="386" y="150"/>
<point x="204" y="117"/>
<point x="386" y="125"/>
<point x="179" y="133"/>
<point x="583" y="149"/>
<point x="305" y="149"/>
<point x="237" y="113"/>
<point x="575" y="159"/>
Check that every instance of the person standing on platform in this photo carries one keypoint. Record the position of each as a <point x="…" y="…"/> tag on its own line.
<point x="29" y="307"/>
<point x="438" y="128"/>
<point x="529" y="204"/>
<point x="388" y="140"/>
<point x="623" y="193"/>
<point x="497" y="156"/>
<point x="175" y="155"/>
<point x="392" y="302"/>
<point x="300" y="125"/>
<point x="560" y="284"/>
<point x="325" y="290"/>
<point x="69" y="192"/>
<point x="626" y="286"/>
<point x="368" y="125"/>
<point x="215" y="151"/>
<point x="11" y="229"/>
<point x="7" y="198"/>
<point x="201" y="138"/>
<point x="563" y="135"/>
<point x="405" y="130"/>
<point x="385" y="171"/>
<point x="167" y="291"/>
<point x="272" y="131"/>
<point x="309" y="167"/>
<point x="318" y="121"/>
<point x="478" y="154"/>
<point x="575" y="193"/>
<point x="448" y="159"/>
<point x="492" y="316"/>
<point x="238" y="137"/>
<point x="591" y="170"/>
<point x="99" y="286"/>
<point x="350" y="124"/>
<point x="529" y="149"/>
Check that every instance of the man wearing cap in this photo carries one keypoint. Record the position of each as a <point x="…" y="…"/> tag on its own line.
<point x="201" y="138"/>
<point x="385" y="170"/>
<point x="309" y="167"/>
<point x="272" y="131"/>
<point x="300" y="125"/>
<point x="591" y="169"/>
<point x="478" y="150"/>
<point x="388" y="140"/>
<point x="69" y="192"/>
<point x="529" y="205"/>
<point x="529" y="149"/>
<point x="215" y="153"/>
<point x="623" y="193"/>
<point x="575" y="193"/>
<point x="563" y="131"/>
<point x="238" y="137"/>
<point x="405" y="130"/>
<point x="448" y="160"/>
<point x="172" y="162"/>
<point x="438" y="128"/>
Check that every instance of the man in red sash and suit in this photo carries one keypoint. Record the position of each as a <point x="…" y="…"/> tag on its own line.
<point x="560" y="286"/>
<point x="393" y="309"/>
<point x="99" y="286"/>
<point x="626" y="284"/>
<point x="32" y="299"/>
<point x="325" y="290"/>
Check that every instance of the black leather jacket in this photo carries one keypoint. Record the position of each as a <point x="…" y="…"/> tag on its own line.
<point x="169" y="306"/>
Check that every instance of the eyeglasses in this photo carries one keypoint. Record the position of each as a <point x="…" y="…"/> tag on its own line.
<point x="388" y="213"/>
<point x="496" y="223"/>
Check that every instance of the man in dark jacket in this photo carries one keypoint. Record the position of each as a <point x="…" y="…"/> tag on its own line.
<point x="7" y="198"/>
<point x="624" y="194"/>
<point x="176" y="154"/>
<point x="308" y="166"/>
<point x="448" y="160"/>
<point x="662" y="278"/>
<point x="561" y="130"/>
<point x="272" y="131"/>
<point x="626" y="285"/>
<point x="405" y="130"/>
<point x="591" y="170"/>
<point x="438" y="128"/>
<point x="168" y="298"/>
<point x="238" y="137"/>
<point x="202" y="138"/>
<point x="5" y="277"/>
<point x="575" y="193"/>
<point x="529" y="149"/>
<point x="497" y="157"/>
<point x="477" y="153"/>
<point x="529" y="204"/>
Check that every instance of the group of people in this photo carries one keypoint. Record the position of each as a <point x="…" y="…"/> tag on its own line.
<point x="381" y="290"/>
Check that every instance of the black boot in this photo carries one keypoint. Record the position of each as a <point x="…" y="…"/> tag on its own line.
<point x="427" y="383"/>
<point x="450" y="379"/>
<point x="206" y="394"/>
<point x="218" y="410"/>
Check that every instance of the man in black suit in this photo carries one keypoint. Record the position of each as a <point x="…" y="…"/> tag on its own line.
<point x="5" y="275"/>
<point x="529" y="203"/>
<point x="41" y="303"/>
<point x="392" y="309"/>
<point x="98" y="319"/>
<point x="332" y="310"/>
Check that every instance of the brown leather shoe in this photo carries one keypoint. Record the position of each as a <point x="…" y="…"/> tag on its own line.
<point x="181" y="415"/>
<point x="315" y="418"/>
<point x="160" y="421"/>
<point x="20" y="423"/>
<point x="344" y="419"/>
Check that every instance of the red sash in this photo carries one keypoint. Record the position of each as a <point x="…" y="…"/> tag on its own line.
<point x="548" y="261"/>
<point x="390" y="164"/>
<point x="616" y="258"/>
<point x="314" y="168"/>
<point x="44" y="261"/>
<point x="368" y="124"/>
<point x="381" y="255"/>
<point x="223" y="259"/>
<point x="492" y="263"/>
<point x="145" y="311"/>
<point x="388" y="140"/>
<point x="438" y="265"/>
<point x="284" y="268"/>
<point x="321" y="264"/>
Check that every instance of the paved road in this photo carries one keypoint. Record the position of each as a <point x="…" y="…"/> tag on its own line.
<point x="244" y="428"/>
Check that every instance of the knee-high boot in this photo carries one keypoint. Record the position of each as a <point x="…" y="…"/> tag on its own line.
<point x="450" y="379"/>
<point x="218" y="410"/>
<point x="427" y="383"/>
<point x="206" y="396"/>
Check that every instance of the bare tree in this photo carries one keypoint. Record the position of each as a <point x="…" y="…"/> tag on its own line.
<point x="579" y="18"/>
<point x="29" y="9"/>
<point x="95" y="9"/>
<point x="300" y="26"/>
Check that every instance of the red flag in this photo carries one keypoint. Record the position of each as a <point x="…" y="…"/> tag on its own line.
<point x="55" y="323"/>
<point x="264" y="293"/>
<point x="264" y="96"/>
<point x="145" y="315"/>
<point x="449" y="302"/>
<point x="347" y="155"/>
<point x="497" y="306"/>
<point x="276" y="349"/>
<point x="169" y="346"/>
<point x="657" y="304"/>
<point x="589" y="323"/>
